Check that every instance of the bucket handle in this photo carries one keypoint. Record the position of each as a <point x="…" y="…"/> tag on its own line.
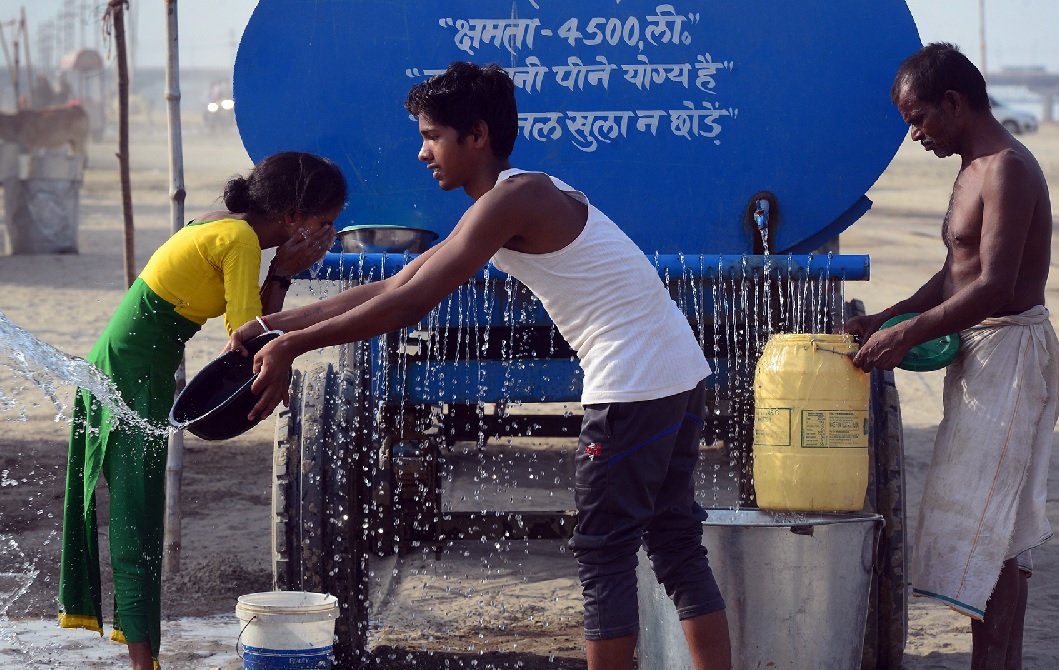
<point x="239" y="640"/>
<point x="874" y="558"/>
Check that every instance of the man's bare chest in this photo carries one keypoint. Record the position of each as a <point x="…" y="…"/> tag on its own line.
<point x="962" y="226"/>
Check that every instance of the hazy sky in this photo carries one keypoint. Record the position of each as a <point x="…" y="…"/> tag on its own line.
<point x="209" y="30"/>
<point x="1018" y="32"/>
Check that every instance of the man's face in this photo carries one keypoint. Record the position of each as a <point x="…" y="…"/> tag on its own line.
<point x="443" y="153"/>
<point x="930" y="125"/>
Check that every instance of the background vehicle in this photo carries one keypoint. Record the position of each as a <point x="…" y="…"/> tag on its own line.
<point x="1015" y="120"/>
<point x="220" y="108"/>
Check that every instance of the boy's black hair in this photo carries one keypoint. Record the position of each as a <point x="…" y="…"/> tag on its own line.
<point x="466" y="93"/>
<point x="940" y="67"/>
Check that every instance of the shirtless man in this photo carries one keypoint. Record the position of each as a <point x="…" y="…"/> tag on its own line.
<point x="983" y="505"/>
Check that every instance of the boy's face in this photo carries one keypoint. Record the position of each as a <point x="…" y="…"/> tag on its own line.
<point x="445" y="155"/>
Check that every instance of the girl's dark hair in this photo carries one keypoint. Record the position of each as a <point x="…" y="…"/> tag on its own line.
<point x="466" y="93"/>
<point x="291" y="182"/>
<point x="940" y="67"/>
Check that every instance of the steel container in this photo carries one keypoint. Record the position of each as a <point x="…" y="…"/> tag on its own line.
<point x="796" y="587"/>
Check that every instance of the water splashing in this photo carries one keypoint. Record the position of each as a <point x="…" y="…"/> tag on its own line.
<point x="46" y="367"/>
<point x="458" y="439"/>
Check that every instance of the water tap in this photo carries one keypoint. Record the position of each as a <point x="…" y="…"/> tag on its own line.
<point x="761" y="214"/>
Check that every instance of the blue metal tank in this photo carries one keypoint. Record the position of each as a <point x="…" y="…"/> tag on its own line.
<point x="670" y="116"/>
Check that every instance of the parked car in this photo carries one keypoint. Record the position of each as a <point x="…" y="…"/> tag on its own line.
<point x="1015" y="120"/>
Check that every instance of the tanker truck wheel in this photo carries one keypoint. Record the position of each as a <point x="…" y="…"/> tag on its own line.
<point x="887" y="625"/>
<point x="317" y="538"/>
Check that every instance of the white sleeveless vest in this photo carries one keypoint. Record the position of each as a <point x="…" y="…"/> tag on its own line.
<point x="609" y="304"/>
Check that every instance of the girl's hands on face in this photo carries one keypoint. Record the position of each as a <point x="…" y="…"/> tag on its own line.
<point x="305" y="246"/>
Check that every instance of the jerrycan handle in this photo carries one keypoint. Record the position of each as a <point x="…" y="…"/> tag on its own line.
<point x="818" y="347"/>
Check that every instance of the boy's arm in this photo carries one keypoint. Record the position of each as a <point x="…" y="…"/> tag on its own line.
<point x="398" y="302"/>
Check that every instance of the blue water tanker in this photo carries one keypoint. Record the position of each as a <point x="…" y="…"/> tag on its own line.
<point x="733" y="142"/>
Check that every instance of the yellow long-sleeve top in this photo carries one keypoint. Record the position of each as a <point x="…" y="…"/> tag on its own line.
<point x="207" y="269"/>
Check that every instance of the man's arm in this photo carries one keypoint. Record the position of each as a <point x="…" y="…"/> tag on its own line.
<point x="885" y="349"/>
<point x="929" y="295"/>
<point x="1007" y="198"/>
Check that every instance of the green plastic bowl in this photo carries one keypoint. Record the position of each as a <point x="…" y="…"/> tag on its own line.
<point x="931" y="355"/>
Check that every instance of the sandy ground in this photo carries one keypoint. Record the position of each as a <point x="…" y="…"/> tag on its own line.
<point x="513" y="605"/>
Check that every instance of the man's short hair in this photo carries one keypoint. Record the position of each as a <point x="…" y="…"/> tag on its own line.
<point x="940" y="67"/>
<point x="466" y="93"/>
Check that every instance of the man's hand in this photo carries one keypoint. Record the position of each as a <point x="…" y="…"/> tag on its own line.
<point x="865" y="326"/>
<point x="879" y="349"/>
<point x="272" y="366"/>
<point x="883" y="350"/>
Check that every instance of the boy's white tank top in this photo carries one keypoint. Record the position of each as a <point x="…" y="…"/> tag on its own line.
<point x="609" y="304"/>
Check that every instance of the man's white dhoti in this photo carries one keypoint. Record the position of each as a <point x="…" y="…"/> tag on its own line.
<point x="985" y="493"/>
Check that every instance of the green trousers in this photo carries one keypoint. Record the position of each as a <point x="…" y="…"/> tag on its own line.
<point x="139" y="350"/>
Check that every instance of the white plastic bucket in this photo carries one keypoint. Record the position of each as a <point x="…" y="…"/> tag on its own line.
<point x="286" y="629"/>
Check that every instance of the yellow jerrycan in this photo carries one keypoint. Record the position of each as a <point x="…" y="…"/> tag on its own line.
<point x="810" y="425"/>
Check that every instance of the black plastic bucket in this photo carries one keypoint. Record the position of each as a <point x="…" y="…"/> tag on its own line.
<point x="215" y="403"/>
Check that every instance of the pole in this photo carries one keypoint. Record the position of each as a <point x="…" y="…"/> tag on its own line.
<point x="116" y="9"/>
<point x="16" y="74"/>
<point x="7" y="59"/>
<point x="174" y="467"/>
<point x="29" y="61"/>
<point x="83" y="13"/>
<point x="981" y="34"/>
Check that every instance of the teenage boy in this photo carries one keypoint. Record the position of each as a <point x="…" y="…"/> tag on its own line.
<point x="644" y="371"/>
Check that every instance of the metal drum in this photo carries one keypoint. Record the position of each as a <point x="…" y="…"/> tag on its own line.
<point x="796" y="587"/>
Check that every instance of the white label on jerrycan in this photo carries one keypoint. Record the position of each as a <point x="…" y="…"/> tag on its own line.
<point x="834" y="429"/>
<point x="810" y="425"/>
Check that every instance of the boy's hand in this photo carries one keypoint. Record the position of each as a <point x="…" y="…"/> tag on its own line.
<point x="272" y="366"/>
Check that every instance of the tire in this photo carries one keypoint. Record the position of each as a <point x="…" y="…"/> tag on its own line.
<point x="888" y="612"/>
<point x="887" y="625"/>
<point x="1013" y="127"/>
<point x="318" y="490"/>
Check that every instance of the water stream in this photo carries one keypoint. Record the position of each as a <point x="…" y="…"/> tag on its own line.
<point x="47" y="369"/>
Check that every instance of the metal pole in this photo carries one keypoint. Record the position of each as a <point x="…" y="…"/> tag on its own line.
<point x="82" y="12"/>
<point x="174" y="468"/>
<point x="11" y="65"/>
